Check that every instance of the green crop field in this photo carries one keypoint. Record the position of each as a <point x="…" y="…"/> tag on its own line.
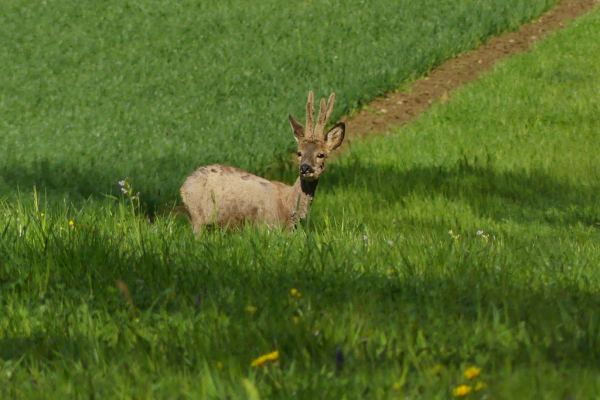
<point x="92" y="92"/>
<point x="456" y="256"/>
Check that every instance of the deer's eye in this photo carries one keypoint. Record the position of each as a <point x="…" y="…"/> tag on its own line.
<point x="320" y="155"/>
<point x="299" y="154"/>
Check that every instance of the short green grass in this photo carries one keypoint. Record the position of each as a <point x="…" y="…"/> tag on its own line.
<point x="92" y="92"/>
<point x="466" y="238"/>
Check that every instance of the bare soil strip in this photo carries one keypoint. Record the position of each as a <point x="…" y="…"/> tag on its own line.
<point x="398" y="108"/>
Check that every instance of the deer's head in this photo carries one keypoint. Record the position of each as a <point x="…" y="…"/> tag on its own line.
<point x="314" y="145"/>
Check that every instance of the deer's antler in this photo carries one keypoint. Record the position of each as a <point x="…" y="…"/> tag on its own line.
<point x="310" y="115"/>
<point x="324" y="114"/>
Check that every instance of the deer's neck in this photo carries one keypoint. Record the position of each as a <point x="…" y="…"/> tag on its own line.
<point x="303" y="195"/>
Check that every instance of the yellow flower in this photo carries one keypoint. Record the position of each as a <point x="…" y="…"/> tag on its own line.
<point x="480" y="386"/>
<point x="296" y="319"/>
<point x="219" y="364"/>
<point x="472" y="372"/>
<point x="42" y="215"/>
<point x="461" y="391"/>
<point x="251" y="309"/>
<point x="293" y="292"/>
<point x="273" y="356"/>
<point x="71" y="223"/>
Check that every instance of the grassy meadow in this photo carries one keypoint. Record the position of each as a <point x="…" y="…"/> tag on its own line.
<point x="468" y="238"/>
<point x="92" y="92"/>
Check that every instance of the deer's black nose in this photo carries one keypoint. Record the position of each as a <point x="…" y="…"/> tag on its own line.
<point x="305" y="168"/>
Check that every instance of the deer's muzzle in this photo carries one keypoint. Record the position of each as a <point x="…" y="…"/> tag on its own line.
<point x="306" y="169"/>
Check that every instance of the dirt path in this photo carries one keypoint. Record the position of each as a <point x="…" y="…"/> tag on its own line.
<point x="398" y="108"/>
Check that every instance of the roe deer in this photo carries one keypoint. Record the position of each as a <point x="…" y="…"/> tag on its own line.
<point x="227" y="196"/>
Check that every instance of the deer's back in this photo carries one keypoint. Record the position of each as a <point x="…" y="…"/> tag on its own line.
<point x="229" y="196"/>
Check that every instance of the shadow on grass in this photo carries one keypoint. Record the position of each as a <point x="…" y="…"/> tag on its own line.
<point x="158" y="183"/>
<point x="479" y="313"/>
<point x="521" y="196"/>
<point x="158" y="180"/>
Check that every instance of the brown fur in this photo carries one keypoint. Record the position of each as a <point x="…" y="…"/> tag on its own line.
<point x="228" y="197"/>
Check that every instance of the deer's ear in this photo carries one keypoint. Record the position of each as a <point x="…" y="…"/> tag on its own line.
<point x="335" y="136"/>
<point x="298" y="129"/>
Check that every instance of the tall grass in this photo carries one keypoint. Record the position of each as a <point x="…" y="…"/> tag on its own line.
<point x="466" y="238"/>
<point x="92" y="92"/>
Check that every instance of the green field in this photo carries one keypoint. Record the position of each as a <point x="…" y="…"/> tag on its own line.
<point x="92" y="92"/>
<point x="467" y="238"/>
